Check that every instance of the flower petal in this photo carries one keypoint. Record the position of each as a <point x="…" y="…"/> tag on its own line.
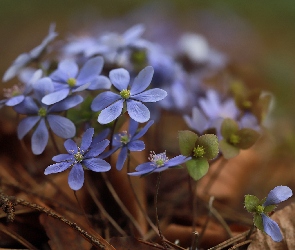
<point x="76" y="177"/>
<point x="90" y="69"/>
<point x="27" y="107"/>
<point x="138" y="111"/>
<point x="121" y="158"/>
<point x="104" y="100"/>
<point x="15" y="100"/>
<point x="143" y="168"/>
<point x="177" y="160"/>
<point x="26" y="125"/>
<point x="40" y="138"/>
<point x="42" y="87"/>
<point x="97" y="148"/>
<point x="61" y="126"/>
<point x="120" y="78"/>
<point x="71" y="146"/>
<point x="142" y="80"/>
<point x="87" y="139"/>
<point x="136" y="145"/>
<point x="57" y="168"/>
<point x="62" y="157"/>
<point x="143" y="130"/>
<point x="198" y="122"/>
<point x="271" y="228"/>
<point x="101" y="136"/>
<point x="277" y="195"/>
<point x="69" y="68"/>
<point x="66" y="104"/>
<point x="110" y="113"/>
<point x="100" y="82"/>
<point x="133" y="125"/>
<point x="56" y="96"/>
<point x="151" y="95"/>
<point x="97" y="165"/>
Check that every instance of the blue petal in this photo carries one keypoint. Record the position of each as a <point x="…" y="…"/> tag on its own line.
<point x="15" y="100"/>
<point x="138" y="111"/>
<point x="61" y="126"/>
<point x="151" y="95"/>
<point x="66" y="104"/>
<point x="277" y="195"/>
<point x="57" y="168"/>
<point x="56" y="96"/>
<point x="142" y="80"/>
<point x="40" y="138"/>
<point x="69" y="68"/>
<point x="62" y="157"/>
<point x="271" y="228"/>
<point x="104" y="100"/>
<point x="97" y="149"/>
<point x="100" y="82"/>
<point x="97" y="165"/>
<point x="143" y="130"/>
<point x="177" y="160"/>
<point x="101" y="136"/>
<point x="133" y="125"/>
<point x="27" y="107"/>
<point x="144" y="168"/>
<point x="71" y="146"/>
<point x="42" y="87"/>
<point x="136" y="145"/>
<point x="76" y="177"/>
<point x="121" y="158"/>
<point x="110" y="152"/>
<point x="110" y="113"/>
<point x="26" y="125"/>
<point x="198" y="122"/>
<point x="87" y="139"/>
<point x="90" y="69"/>
<point x="133" y="33"/>
<point x="120" y="78"/>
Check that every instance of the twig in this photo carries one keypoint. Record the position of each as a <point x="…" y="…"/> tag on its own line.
<point x="193" y="193"/>
<point x="240" y="244"/>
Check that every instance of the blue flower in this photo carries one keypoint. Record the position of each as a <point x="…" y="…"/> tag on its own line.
<point x="275" y="196"/>
<point x="67" y="78"/>
<point x="78" y="158"/>
<point x="24" y="59"/>
<point x="159" y="163"/>
<point x="111" y="104"/>
<point x="39" y="113"/>
<point x="261" y="209"/>
<point x="128" y="141"/>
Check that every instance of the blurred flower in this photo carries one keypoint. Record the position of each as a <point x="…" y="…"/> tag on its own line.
<point x="128" y="141"/>
<point x="159" y="163"/>
<point x="111" y="104"/>
<point x="79" y="158"/>
<point x="262" y="208"/>
<point x="67" y="78"/>
<point x="39" y="113"/>
<point x="24" y="59"/>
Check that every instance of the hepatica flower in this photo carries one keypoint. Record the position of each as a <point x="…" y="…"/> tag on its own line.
<point x="159" y="163"/>
<point x="67" y="78"/>
<point x="111" y="104"/>
<point x="262" y="208"/>
<point x="79" y="158"/>
<point x="40" y="115"/>
<point x="128" y="140"/>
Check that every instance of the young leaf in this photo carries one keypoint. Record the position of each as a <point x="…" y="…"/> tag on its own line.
<point x="187" y="140"/>
<point x="197" y="168"/>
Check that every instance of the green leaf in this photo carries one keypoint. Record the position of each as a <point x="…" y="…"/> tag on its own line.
<point x="210" y="144"/>
<point x="248" y="138"/>
<point x="228" y="127"/>
<point x="258" y="222"/>
<point x="269" y="208"/>
<point x="251" y="202"/>
<point x="197" y="168"/>
<point x="229" y="151"/>
<point x="187" y="140"/>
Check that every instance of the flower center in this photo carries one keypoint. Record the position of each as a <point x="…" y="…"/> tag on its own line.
<point x="158" y="159"/>
<point x="125" y="93"/>
<point x="78" y="156"/>
<point x="199" y="151"/>
<point x="124" y="138"/>
<point x="72" y="82"/>
<point x="13" y="91"/>
<point x="247" y="104"/>
<point x="42" y="112"/>
<point x="234" y="139"/>
<point x="260" y="209"/>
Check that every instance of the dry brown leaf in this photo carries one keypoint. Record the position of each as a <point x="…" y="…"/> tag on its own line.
<point x="61" y="236"/>
<point x="286" y="220"/>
